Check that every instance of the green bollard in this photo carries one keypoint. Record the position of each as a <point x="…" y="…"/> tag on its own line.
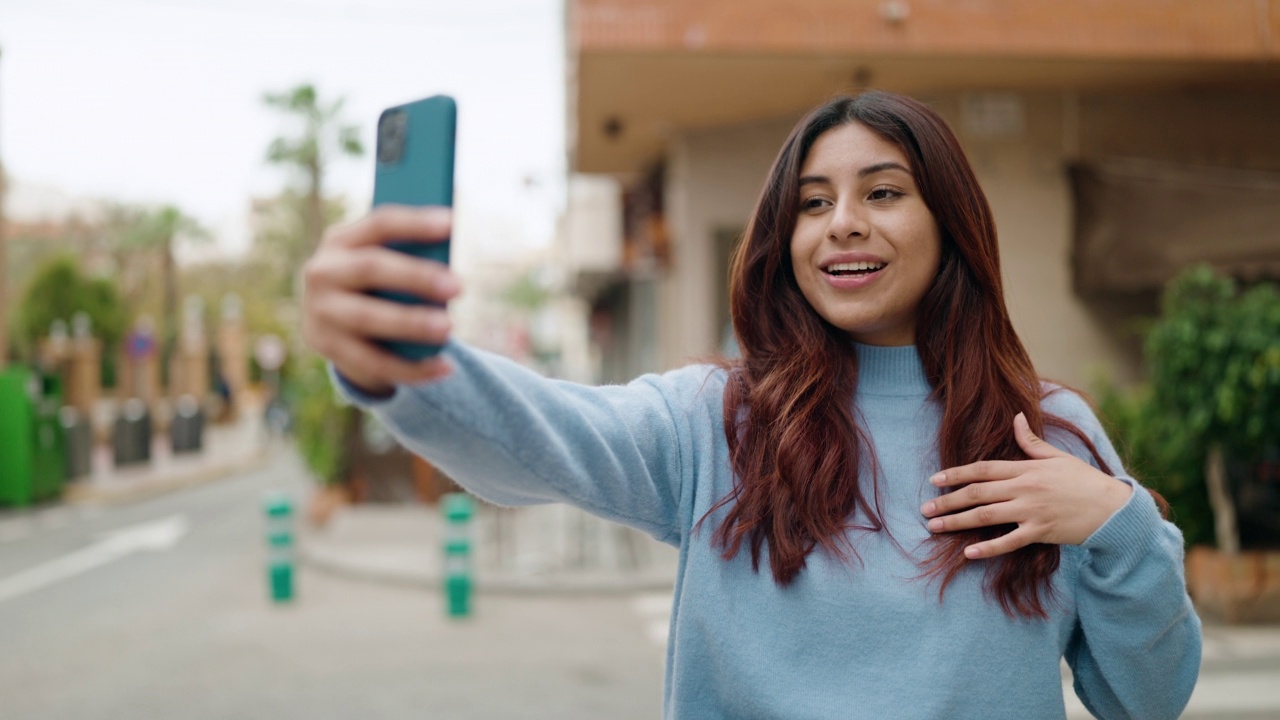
<point x="280" y="556"/>
<point x="458" y="511"/>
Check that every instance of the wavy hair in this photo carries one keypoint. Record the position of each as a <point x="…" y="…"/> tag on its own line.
<point x="794" y="443"/>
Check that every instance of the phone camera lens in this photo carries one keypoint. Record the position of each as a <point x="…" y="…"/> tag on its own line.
<point x="391" y="134"/>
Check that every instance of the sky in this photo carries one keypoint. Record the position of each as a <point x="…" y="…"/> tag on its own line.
<point x="160" y="101"/>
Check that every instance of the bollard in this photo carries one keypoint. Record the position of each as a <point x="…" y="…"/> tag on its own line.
<point x="458" y="511"/>
<point x="280" y="559"/>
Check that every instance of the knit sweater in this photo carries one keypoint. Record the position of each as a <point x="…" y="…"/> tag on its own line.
<point x="863" y="638"/>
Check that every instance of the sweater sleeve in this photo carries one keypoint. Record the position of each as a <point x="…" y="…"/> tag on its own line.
<point x="1135" y="650"/>
<point x="513" y="437"/>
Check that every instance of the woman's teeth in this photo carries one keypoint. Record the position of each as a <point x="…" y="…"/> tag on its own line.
<point x="855" y="267"/>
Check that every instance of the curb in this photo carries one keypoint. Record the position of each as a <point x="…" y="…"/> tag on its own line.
<point x="85" y="493"/>
<point x="490" y="583"/>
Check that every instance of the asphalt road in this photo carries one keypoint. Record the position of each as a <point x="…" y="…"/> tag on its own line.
<point x="159" y="609"/>
<point x="170" y="618"/>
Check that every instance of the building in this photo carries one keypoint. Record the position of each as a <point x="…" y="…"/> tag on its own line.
<point x="1116" y="141"/>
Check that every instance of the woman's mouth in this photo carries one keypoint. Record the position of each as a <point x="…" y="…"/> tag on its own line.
<point x="852" y="275"/>
<point x="853" y="269"/>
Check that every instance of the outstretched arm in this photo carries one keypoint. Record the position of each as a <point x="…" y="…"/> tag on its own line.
<point x="500" y="430"/>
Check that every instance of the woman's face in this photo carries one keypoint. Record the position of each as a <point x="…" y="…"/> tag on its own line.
<point x="865" y="248"/>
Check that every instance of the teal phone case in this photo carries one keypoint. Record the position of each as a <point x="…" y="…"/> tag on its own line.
<point x="415" y="167"/>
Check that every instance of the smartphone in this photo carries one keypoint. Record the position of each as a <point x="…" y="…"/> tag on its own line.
<point x="415" y="151"/>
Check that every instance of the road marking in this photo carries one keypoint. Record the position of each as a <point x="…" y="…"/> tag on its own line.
<point x="153" y="536"/>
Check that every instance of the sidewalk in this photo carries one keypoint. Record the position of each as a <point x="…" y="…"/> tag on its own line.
<point x="543" y="549"/>
<point x="227" y="449"/>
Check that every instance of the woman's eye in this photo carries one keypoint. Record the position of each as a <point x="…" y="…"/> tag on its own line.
<point x="883" y="193"/>
<point x="811" y="203"/>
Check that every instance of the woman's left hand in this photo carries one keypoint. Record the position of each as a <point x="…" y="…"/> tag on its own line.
<point x="1054" y="497"/>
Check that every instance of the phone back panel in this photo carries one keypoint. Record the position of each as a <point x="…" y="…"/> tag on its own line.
<point x="415" y="158"/>
<point x="422" y="173"/>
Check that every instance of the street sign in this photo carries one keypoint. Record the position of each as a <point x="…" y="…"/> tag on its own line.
<point x="270" y="352"/>
<point x="140" y="344"/>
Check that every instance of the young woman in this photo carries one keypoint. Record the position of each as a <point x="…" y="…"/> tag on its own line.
<point x="881" y="510"/>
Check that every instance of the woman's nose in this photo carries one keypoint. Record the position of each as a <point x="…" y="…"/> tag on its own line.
<point x="846" y="222"/>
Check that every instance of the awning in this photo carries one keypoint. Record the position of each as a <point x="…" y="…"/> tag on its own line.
<point x="1138" y="223"/>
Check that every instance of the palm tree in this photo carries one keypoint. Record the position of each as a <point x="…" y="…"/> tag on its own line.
<point x="155" y="232"/>
<point x="323" y="135"/>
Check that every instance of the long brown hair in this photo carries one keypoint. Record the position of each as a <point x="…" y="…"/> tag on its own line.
<point x="794" y="442"/>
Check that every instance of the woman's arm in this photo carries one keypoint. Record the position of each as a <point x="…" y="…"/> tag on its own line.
<point x="1136" y="650"/>
<point x="502" y="431"/>
<point x="516" y="438"/>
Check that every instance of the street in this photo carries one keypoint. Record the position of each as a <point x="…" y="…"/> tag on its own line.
<point x="175" y="622"/>
<point x="159" y="609"/>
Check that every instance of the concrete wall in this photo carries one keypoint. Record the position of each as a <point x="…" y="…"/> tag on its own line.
<point x="713" y="180"/>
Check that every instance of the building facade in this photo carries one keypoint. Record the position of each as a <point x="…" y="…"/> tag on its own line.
<point x="1117" y="142"/>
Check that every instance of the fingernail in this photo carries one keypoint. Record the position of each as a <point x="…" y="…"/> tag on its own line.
<point x="938" y="478"/>
<point x="971" y="552"/>
<point x="928" y="508"/>
<point x="935" y="525"/>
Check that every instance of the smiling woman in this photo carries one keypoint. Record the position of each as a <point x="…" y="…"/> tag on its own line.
<point x="865" y="248"/>
<point x="938" y="527"/>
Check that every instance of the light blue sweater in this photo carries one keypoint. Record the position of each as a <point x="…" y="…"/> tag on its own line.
<point x="862" y="640"/>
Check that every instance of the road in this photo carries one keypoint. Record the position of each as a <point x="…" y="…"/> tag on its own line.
<point x="159" y="609"/>
<point x="171" y="619"/>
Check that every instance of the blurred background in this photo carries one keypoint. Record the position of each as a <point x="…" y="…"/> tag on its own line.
<point x="192" y="525"/>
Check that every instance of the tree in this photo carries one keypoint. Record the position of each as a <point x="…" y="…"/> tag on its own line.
<point x="280" y="241"/>
<point x="155" y="232"/>
<point x="322" y="137"/>
<point x="58" y="291"/>
<point x="1213" y="395"/>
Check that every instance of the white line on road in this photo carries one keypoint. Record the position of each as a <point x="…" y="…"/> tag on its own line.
<point x="154" y="536"/>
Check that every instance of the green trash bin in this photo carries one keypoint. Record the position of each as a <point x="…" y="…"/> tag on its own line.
<point x="31" y="438"/>
<point x="17" y="427"/>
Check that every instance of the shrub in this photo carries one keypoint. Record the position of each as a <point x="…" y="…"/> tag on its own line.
<point x="1213" y="366"/>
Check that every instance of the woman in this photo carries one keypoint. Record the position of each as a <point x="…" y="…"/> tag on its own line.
<point x="869" y="523"/>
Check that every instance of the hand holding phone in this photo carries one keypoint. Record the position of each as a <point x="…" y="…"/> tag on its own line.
<point x="415" y="157"/>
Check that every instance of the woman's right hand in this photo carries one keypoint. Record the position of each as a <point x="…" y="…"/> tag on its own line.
<point x="342" y="321"/>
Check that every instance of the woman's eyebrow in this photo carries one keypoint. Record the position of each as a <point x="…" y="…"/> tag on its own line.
<point x="881" y="167"/>
<point x="864" y="172"/>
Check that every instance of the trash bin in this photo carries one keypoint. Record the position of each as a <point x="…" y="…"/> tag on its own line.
<point x="77" y="434"/>
<point x="131" y="436"/>
<point x="16" y="430"/>
<point x="31" y="440"/>
<point x="186" y="428"/>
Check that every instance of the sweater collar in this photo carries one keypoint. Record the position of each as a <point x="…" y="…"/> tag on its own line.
<point x="890" y="371"/>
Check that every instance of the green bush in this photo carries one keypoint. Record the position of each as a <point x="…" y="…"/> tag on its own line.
<point x="1213" y="367"/>
<point x="320" y="420"/>
<point x="57" y="291"/>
